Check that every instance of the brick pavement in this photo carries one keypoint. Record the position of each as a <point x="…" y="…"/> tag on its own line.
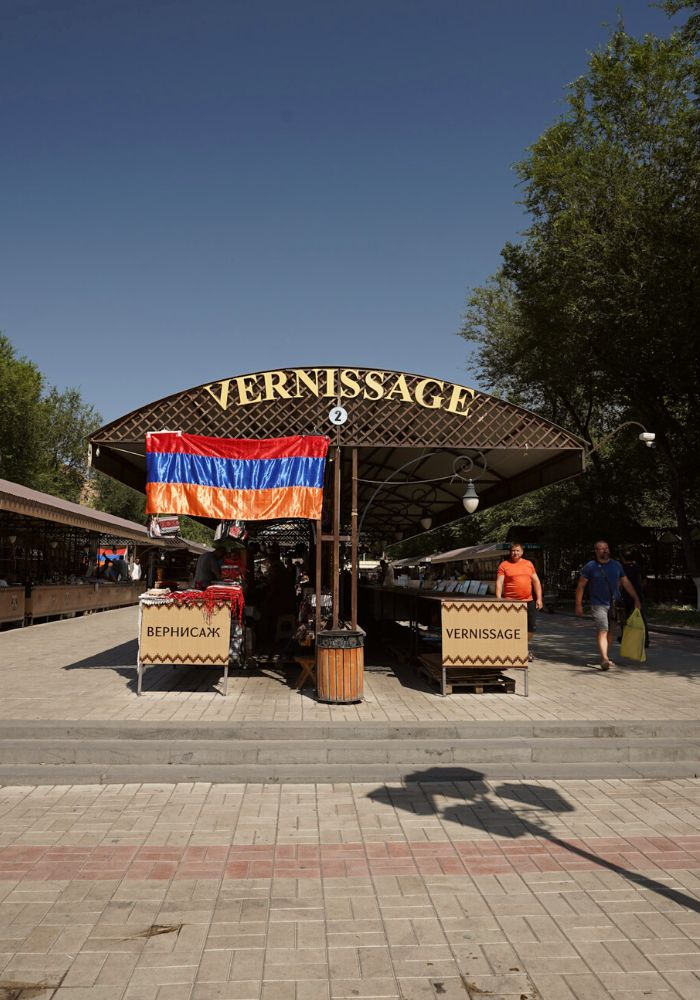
<point x="538" y="890"/>
<point x="85" y="668"/>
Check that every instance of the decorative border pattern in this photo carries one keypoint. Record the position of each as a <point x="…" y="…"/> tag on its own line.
<point x="166" y="659"/>
<point x="507" y="607"/>
<point x="485" y="661"/>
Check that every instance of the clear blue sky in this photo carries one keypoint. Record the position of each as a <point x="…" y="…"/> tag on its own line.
<point x="199" y="188"/>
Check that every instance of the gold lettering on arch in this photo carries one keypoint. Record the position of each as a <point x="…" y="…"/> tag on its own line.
<point x="349" y="383"/>
<point x="221" y="396"/>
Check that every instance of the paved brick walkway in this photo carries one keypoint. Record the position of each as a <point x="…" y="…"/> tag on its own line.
<point x="576" y="890"/>
<point x="84" y="669"/>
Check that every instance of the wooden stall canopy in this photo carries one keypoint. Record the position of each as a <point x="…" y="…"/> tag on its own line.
<point x="23" y="502"/>
<point x="399" y="425"/>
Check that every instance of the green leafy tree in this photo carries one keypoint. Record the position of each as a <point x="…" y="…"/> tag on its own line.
<point x="21" y="386"/>
<point x="115" y="498"/>
<point x="592" y="318"/>
<point x="67" y="423"/>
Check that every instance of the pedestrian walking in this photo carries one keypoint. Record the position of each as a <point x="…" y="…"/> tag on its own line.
<point x="517" y="580"/>
<point x="604" y="578"/>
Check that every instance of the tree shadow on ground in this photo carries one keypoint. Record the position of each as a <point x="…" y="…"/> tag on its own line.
<point x="422" y="790"/>
<point x="572" y="641"/>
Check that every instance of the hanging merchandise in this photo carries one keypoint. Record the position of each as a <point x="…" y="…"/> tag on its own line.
<point x="234" y="478"/>
<point x="169" y="525"/>
<point x="153" y="527"/>
<point x="230" y="529"/>
<point x="238" y="531"/>
<point x="222" y="530"/>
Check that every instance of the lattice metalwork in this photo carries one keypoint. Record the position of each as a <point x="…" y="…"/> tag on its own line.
<point x="389" y="414"/>
<point x="393" y="422"/>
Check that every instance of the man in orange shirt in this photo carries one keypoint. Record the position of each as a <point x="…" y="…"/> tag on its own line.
<point x="517" y="580"/>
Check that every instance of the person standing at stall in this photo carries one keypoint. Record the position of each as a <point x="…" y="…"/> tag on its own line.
<point x="208" y="568"/>
<point x="517" y="580"/>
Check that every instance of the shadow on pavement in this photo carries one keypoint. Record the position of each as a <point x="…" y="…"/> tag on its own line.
<point x="122" y="660"/>
<point x="476" y="810"/>
<point x="572" y="640"/>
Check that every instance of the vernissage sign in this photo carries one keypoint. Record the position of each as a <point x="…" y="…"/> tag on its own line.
<point x="484" y="634"/>
<point x="341" y="384"/>
<point x="184" y="635"/>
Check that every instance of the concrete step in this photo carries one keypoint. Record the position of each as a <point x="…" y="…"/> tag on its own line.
<point x="362" y="731"/>
<point x="75" y="752"/>
<point x="137" y="774"/>
<point x="424" y="753"/>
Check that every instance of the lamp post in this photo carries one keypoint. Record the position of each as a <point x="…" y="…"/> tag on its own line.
<point x="470" y="500"/>
<point x="647" y="437"/>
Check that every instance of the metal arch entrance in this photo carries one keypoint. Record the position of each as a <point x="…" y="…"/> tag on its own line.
<point x="399" y="425"/>
<point x="392" y="417"/>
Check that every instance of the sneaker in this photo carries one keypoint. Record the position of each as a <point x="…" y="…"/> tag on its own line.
<point x="530" y="657"/>
<point x="605" y="665"/>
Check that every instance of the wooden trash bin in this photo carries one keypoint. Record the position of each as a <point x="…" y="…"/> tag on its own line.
<point x="340" y="666"/>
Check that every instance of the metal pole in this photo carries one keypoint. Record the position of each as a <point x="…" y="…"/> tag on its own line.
<point x="353" y="544"/>
<point x="335" y="560"/>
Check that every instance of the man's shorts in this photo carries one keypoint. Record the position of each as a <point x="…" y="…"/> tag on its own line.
<point x="600" y="613"/>
<point x="531" y="616"/>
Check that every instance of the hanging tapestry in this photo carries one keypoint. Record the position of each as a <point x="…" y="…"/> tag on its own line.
<point x="235" y="478"/>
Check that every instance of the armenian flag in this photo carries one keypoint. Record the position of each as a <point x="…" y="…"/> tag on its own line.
<point x="234" y="478"/>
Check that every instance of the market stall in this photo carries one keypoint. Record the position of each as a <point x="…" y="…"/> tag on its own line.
<point x="405" y="452"/>
<point x="191" y="628"/>
<point x="55" y="555"/>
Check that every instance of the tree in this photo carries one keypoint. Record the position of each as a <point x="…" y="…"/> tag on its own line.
<point x="592" y="317"/>
<point x="67" y="423"/>
<point x="43" y="434"/>
<point x="21" y="386"/>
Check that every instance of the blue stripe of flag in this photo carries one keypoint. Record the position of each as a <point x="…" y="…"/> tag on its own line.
<point x="234" y="473"/>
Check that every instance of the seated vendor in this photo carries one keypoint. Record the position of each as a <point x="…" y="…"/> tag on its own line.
<point x="208" y="568"/>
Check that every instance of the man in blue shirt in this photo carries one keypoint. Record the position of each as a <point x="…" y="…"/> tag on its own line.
<point x="603" y="576"/>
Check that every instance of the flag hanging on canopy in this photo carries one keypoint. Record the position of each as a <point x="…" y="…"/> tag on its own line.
<point x="235" y="478"/>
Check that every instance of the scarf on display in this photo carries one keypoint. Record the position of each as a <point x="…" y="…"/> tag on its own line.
<point x="207" y="600"/>
<point x="231" y="479"/>
<point x="213" y="597"/>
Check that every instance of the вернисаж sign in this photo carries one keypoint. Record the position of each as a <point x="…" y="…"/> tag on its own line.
<point x="184" y="635"/>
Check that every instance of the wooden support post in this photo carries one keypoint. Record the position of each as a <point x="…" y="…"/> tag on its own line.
<point x="319" y="572"/>
<point x="335" y="557"/>
<point x="353" y="544"/>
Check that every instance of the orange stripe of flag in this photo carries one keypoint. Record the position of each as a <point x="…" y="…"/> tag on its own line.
<point x="230" y="505"/>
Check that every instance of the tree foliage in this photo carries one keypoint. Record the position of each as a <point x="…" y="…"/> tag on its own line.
<point x="591" y="320"/>
<point x="43" y="432"/>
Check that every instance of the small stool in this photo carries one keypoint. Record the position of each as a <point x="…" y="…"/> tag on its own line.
<point x="308" y="670"/>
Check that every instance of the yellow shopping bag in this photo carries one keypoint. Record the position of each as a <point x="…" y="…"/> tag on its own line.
<point x="633" y="635"/>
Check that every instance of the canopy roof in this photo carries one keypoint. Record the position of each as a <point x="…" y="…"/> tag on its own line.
<point x="27" y="503"/>
<point x="406" y="427"/>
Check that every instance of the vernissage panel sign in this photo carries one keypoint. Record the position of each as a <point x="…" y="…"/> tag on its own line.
<point x="484" y="634"/>
<point x="184" y="635"/>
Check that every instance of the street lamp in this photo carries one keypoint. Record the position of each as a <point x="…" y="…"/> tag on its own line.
<point x="647" y="437"/>
<point x="470" y="498"/>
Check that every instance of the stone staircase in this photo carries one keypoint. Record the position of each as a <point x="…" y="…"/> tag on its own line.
<point x="38" y="753"/>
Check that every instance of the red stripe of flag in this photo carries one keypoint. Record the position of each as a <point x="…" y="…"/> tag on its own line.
<point x="306" y="446"/>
